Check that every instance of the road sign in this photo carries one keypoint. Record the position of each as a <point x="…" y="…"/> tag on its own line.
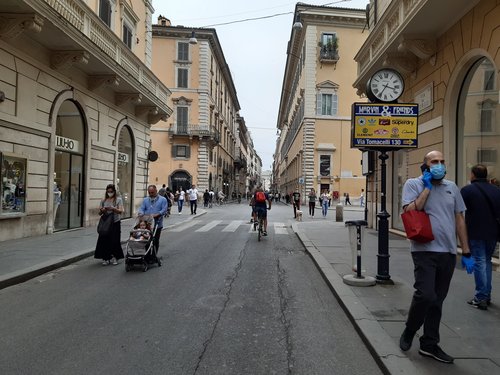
<point x="384" y="125"/>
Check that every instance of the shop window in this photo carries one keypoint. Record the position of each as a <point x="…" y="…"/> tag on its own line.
<point x="13" y="188"/>
<point x="127" y="35"/>
<point x="324" y="165"/>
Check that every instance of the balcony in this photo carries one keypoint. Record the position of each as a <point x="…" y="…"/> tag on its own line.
<point x="328" y="55"/>
<point x="76" y="38"/>
<point x="203" y="132"/>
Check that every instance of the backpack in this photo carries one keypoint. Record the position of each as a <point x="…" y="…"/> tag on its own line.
<point x="260" y="197"/>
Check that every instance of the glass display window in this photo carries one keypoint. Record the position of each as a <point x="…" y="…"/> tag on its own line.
<point x="13" y="188"/>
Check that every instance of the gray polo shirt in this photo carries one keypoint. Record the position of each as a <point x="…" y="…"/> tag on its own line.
<point x="443" y="203"/>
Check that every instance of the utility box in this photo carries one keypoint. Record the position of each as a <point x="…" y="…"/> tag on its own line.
<point x="339" y="213"/>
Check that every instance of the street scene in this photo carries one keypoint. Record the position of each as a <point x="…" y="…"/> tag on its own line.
<point x="235" y="187"/>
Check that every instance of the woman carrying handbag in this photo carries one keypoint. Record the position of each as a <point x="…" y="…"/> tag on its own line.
<point x="109" y="247"/>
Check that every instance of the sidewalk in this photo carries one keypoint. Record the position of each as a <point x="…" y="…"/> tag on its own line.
<point x="25" y="258"/>
<point x="379" y="312"/>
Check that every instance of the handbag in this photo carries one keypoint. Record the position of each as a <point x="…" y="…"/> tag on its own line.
<point x="490" y="205"/>
<point x="417" y="226"/>
<point x="105" y="223"/>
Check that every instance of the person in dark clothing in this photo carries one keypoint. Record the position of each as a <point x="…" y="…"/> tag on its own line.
<point x="347" y="200"/>
<point x="296" y="202"/>
<point x="206" y="198"/>
<point x="482" y="200"/>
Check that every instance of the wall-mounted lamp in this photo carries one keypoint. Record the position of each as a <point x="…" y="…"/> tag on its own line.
<point x="297" y="24"/>
<point x="193" y="39"/>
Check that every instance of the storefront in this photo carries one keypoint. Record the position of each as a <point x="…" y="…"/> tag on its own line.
<point x="180" y="179"/>
<point x="69" y="168"/>
<point x="125" y="176"/>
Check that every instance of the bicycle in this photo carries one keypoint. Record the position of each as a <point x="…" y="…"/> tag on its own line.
<point x="259" y="225"/>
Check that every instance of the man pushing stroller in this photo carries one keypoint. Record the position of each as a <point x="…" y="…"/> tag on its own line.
<point x="156" y="206"/>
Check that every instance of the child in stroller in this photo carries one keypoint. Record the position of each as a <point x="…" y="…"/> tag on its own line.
<point x="140" y="246"/>
<point x="141" y="231"/>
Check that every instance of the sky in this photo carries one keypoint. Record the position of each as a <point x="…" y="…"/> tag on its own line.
<point x="254" y="50"/>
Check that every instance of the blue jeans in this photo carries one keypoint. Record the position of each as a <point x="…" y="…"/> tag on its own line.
<point x="482" y="250"/>
<point x="180" y="203"/>
<point x="324" y="206"/>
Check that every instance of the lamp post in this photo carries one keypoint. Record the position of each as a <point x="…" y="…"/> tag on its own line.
<point x="383" y="276"/>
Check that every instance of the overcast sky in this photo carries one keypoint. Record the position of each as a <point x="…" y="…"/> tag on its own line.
<point x="255" y="52"/>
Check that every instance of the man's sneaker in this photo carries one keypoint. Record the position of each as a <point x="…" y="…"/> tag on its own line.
<point x="481" y="305"/>
<point x="255" y="226"/>
<point x="406" y="339"/>
<point x="437" y="353"/>
<point x="114" y="262"/>
<point x="264" y="233"/>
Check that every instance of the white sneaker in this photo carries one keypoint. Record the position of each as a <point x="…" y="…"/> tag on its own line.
<point x="105" y="263"/>
<point x="114" y="262"/>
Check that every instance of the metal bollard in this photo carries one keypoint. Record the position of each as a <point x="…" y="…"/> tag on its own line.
<point x="356" y="234"/>
<point x="339" y="213"/>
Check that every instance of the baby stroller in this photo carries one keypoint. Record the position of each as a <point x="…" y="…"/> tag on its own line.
<point x="141" y="249"/>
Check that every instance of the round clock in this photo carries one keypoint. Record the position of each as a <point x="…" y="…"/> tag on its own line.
<point x="386" y="85"/>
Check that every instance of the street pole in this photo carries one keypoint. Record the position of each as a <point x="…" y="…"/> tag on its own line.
<point x="383" y="276"/>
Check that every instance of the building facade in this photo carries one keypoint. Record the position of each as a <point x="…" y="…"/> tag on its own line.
<point x="204" y="141"/>
<point x="77" y="99"/>
<point x="450" y="68"/>
<point x="314" y="120"/>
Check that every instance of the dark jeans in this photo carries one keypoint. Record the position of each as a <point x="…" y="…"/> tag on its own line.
<point x="311" y="208"/>
<point x="433" y="272"/>
<point x="194" y="205"/>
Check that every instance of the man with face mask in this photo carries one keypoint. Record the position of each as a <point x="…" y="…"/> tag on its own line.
<point x="433" y="261"/>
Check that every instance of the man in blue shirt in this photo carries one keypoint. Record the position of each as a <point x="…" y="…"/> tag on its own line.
<point x="483" y="207"/>
<point x="156" y="206"/>
<point x="433" y="261"/>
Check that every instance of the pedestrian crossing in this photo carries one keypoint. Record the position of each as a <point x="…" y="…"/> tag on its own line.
<point x="226" y="226"/>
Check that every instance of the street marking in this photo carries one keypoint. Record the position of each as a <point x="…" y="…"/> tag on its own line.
<point x="280" y="228"/>
<point x="233" y="226"/>
<point x="182" y="227"/>
<point x="209" y="226"/>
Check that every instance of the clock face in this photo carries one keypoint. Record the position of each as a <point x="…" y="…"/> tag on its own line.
<point x="386" y="85"/>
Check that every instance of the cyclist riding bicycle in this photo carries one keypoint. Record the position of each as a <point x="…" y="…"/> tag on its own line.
<point x="260" y="207"/>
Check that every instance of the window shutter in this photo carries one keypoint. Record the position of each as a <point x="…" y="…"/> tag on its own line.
<point x="335" y="104"/>
<point x="318" y="103"/>
<point x="188" y="152"/>
<point x="174" y="151"/>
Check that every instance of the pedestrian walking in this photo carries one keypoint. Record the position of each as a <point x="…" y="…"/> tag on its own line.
<point x="324" y="202"/>
<point x="433" y="261"/>
<point x="163" y="190"/>
<point x="362" y="198"/>
<point x="193" y="199"/>
<point x="156" y="206"/>
<point x="108" y="247"/>
<point x="296" y="202"/>
<point x="347" y="200"/>
<point x="211" y="200"/>
<point x="180" y="200"/>
<point x="312" y="202"/>
<point x="206" y="198"/>
<point x="482" y="200"/>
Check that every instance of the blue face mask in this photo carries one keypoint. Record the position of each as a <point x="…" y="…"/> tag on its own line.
<point x="438" y="171"/>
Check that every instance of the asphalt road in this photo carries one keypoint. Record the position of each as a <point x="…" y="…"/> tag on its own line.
<point x="222" y="303"/>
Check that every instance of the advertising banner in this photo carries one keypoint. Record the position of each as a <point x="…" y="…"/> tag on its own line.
<point x="384" y="125"/>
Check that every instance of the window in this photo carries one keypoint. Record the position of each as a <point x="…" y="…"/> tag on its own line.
<point x="127" y="35"/>
<point x="13" y="188"/>
<point x="183" y="51"/>
<point x="105" y="11"/>
<point x="327" y="104"/>
<point x="182" y="120"/>
<point x="487" y="156"/>
<point x="181" y="151"/>
<point x="489" y="79"/>
<point x="182" y="77"/>
<point x="478" y="121"/>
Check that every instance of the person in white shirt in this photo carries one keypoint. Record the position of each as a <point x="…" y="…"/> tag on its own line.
<point x="180" y="200"/>
<point x="193" y="199"/>
<point x="211" y="200"/>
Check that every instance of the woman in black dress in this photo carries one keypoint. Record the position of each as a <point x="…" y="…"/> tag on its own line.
<point x="109" y="247"/>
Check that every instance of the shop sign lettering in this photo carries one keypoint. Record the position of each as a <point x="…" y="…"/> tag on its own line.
<point x="67" y="144"/>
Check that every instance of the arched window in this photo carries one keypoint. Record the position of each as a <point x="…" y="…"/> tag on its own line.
<point x="478" y="121"/>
